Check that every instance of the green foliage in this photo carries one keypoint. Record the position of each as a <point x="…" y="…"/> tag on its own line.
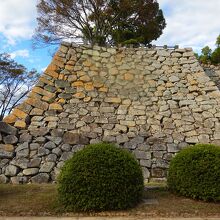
<point x="208" y="56"/>
<point x="195" y="172"/>
<point x="100" y="177"/>
<point x="99" y="22"/>
<point x="215" y="58"/>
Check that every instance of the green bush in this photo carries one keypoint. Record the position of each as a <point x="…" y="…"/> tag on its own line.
<point x="100" y="177"/>
<point x="195" y="172"/>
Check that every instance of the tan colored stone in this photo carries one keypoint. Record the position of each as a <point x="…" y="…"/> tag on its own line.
<point x="37" y="103"/>
<point x="78" y="84"/>
<point x="69" y="67"/>
<point x="87" y="99"/>
<point x="72" y="78"/>
<point x="113" y="99"/>
<point x="19" y="114"/>
<point x="85" y="78"/>
<point x="10" y="119"/>
<point x="128" y="77"/>
<point x="89" y="87"/>
<point x="46" y="81"/>
<point x="43" y="92"/>
<point x="71" y="62"/>
<point x="52" y="74"/>
<point x="81" y="73"/>
<point x="20" y="124"/>
<point x="103" y="89"/>
<point x="55" y="106"/>
<point x="34" y="95"/>
<point x="128" y="123"/>
<point x="61" y="76"/>
<point x="113" y="71"/>
<point x="58" y="61"/>
<point x="79" y="95"/>
<point x="37" y="111"/>
<point x="7" y="147"/>
<point x="52" y="67"/>
<point x="98" y="84"/>
<point x="46" y="99"/>
<point x="61" y="101"/>
<point x="87" y="63"/>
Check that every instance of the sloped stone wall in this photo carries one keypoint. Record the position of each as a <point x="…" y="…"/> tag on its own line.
<point x="213" y="71"/>
<point x="153" y="102"/>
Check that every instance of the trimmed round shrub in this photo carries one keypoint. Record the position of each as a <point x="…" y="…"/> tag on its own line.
<point x="195" y="172"/>
<point x="100" y="177"/>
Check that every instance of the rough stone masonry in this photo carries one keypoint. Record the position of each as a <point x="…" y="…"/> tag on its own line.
<point x="153" y="102"/>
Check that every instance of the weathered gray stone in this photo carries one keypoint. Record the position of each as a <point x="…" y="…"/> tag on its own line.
<point x="10" y="139"/>
<point x="146" y="173"/>
<point x="7" y="129"/>
<point x="43" y="151"/>
<point x="34" y="146"/>
<point x="47" y="167"/>
<point x="50" y="145"/>
<point x="3" y="162"/>
<point x="40" y="178"/>
<point x="34" y="163"/>
<point x="11" y="170"/>
<point x="66" y="155"/>
<point x="62" y="84"/>
<point x="122" y="139"/>
<point x="57" y="151"/>
<point x="66" y="147"/>
<point x="145" y="163"/>
<point x="22" y="150"/>
<point x="56" y="140"/>
<point x="19" y="179"/>
<point x="30" y="171"/>
<point x="3" y="179"/>
<point x="21" y="163"/>
<point x="38" y="132"/>
<point x="4" y="154"/>
<point x="71" y="138"/>
<point x="52" y="158"/>
<point x="142" y="155"/>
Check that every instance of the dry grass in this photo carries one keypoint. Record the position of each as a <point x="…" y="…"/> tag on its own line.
<point x="41" y="200"/>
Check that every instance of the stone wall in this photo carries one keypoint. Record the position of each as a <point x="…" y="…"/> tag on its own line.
<point x="213" y="72"/>
<point x="153" y="102"/>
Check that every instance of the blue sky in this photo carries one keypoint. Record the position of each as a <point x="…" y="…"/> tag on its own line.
<point x="190" y="23"/>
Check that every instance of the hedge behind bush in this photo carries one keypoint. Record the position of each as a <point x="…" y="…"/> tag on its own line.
<point x="195" y="172"/>
<point x="100" y="177"/>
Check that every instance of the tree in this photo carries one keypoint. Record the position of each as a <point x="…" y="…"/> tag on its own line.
<point x="215" y="58"/>
<point x="218" y="41"/>
<point x="99" y="21"/>
<point x="206" y="55"/>
<point x="15" y="82"/>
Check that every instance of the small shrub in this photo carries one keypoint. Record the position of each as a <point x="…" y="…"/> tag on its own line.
<point x="195" y="172"/>
<point x="100" y="177"/>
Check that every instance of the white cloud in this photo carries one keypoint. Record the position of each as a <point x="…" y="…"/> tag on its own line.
<point x="190" y="23"/>
<point x="20" y="53"/>
<point x="17" y="18"/>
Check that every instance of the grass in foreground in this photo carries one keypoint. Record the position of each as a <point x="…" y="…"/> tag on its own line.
<point x="41" y="200"/>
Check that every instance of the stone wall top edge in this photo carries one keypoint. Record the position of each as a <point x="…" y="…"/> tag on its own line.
<point x="95" y="47"/>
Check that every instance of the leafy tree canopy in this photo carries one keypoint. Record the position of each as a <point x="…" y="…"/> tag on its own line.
<point x="15" y="82"/>
<point x="99" y="21"/>
<point x="209" y="56"/>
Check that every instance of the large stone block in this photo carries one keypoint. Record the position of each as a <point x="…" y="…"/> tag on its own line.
<point x="7" y="129"/>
